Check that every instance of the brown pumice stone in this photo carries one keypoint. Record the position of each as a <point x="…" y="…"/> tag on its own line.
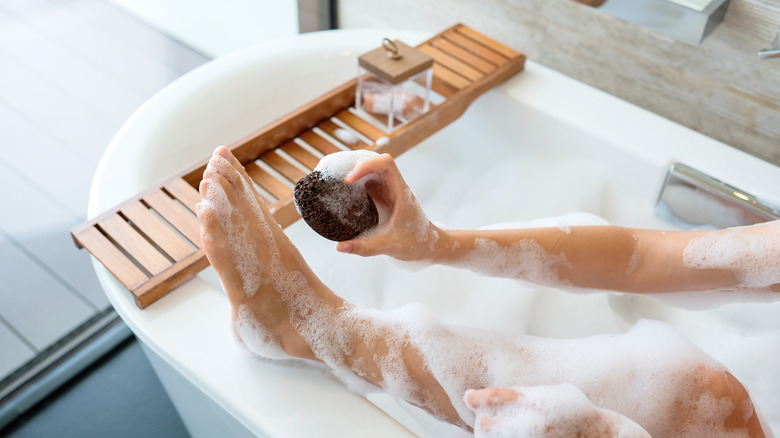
<point x="335" y="210"/>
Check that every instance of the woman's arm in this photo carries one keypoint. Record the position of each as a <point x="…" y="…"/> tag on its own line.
<point x="622" y="259"/>
<point x="583" y="257"/>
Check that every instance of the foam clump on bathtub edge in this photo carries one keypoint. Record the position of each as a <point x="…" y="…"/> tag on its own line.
<point x="332" y="208"/>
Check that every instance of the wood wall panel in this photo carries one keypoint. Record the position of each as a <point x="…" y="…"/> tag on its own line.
<point x="720" y="88"/>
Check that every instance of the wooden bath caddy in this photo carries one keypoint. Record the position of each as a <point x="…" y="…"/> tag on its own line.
<point x="151" y="242"/>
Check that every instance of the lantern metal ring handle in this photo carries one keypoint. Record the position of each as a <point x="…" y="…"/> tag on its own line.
<point x="392" y="49"/>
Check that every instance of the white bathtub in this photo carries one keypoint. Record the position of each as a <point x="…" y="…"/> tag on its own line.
<point x="540" y="145"/>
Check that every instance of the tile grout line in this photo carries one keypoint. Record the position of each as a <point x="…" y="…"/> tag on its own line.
<point x="52" y="40"/>
<point x="45" y="130"/>
<point x="19" y="336"/>
<point x="8" y="57"/>
<point x="49" y="270"/>
<point x="118" y="10"/>
<point x="45" y="193"/>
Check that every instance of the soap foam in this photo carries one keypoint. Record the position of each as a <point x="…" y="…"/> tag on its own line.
<point x="524" y="260"/>
<point x="650" y="364"/>
<point x="552" y="411"/>
<point x="339" y="164"/>
<point x="643" y="374"/>
<point x="640" y="374"/>
<point x="236" y="232"/>
<point x="754" y="258"/>
<point x="488" y="190"/>
<point x="256" y="337"/>
<point x="419" y="228"/>
<point x="346" y="137"/>
<point x="563" y="222"/>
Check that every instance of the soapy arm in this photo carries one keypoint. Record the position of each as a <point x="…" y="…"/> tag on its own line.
<point x="584" y="257"/>
<point x="622" y="259"/>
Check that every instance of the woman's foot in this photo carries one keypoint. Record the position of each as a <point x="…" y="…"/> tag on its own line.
<point x="545" y="412"/>
<point x="268" y="283"/>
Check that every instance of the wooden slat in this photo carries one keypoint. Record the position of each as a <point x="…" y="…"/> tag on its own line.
<point x="112" y="258"/>
<point x="267" y="181"/>
<point x="284" y="211"/>
<point x="188" y="195"/>
<point x="302" y="155"/>
<point x="279" y="164"/>
<point x="159" y="285"/>
<point x="449" y="77"/>
<point x="330" y="128"/>
<point x="474" y="47"/>
<point x="487" y="41"/>
<point x="452" y="63"/>
<point x="156" y="230"/>
<point x="319" y="143"/>
<point x="175" y="214"/>
<point x="443" y="88"/>
<point x="463" y="55"/>
<point x="360" y="125"/>
<point x="284" y="129"/>
<point x="135" y="244"/>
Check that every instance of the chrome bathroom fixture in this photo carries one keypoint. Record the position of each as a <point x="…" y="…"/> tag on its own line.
<point x="691" y="199"/>
<point x="774" y="51"/>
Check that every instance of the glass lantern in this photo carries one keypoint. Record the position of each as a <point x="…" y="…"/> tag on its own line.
<point x="394" y="84"/>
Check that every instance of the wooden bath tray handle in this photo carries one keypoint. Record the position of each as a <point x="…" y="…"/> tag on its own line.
<point x="151" y="242"/>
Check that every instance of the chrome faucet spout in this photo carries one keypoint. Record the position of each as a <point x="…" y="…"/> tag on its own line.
<point x="774" y="52"/>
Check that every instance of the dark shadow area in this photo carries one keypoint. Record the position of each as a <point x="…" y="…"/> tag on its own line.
<point x="119" y="395"/>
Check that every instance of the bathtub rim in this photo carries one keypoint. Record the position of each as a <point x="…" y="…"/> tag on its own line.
<point x="543" y="89"/>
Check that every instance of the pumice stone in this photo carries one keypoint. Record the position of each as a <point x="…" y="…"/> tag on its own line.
<point x="335" y="210"/>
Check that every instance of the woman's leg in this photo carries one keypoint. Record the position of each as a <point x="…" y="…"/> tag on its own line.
<point x="281" y="310"/>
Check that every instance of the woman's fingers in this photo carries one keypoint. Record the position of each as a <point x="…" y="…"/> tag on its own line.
<point x="490" y="397"/>
<point x="356" y="247"/>
<point x="380" y="164"/>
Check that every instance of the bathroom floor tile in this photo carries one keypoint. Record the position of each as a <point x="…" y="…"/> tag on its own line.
<point x="43" y="161"/>
<point x="72" y="72"/>
<point x="111" y="20"/>
<point x="15" y="352"/>
<point x="119" y="396"/>
<point x="41" y="308"/>
<point x="52" y="111"/>
<point x="61" y="24"/>
<point x="47" y="59"/>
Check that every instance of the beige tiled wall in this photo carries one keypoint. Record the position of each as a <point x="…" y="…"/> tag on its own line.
<point x="720" y="88"/>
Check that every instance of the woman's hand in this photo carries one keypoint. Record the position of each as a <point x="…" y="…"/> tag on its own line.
<point x="404" y="231"/>
<point x="545" y="412"/>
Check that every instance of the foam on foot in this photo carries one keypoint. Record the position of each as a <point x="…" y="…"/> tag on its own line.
<point x="238" y="240"/>
<point x="256" y="337"/>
